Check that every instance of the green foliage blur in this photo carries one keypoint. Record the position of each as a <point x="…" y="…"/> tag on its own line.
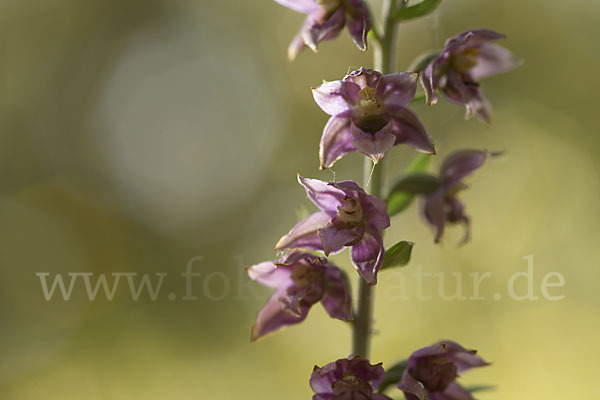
<point x="142" y="136"/>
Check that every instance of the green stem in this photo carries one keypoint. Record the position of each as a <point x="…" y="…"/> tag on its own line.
<point x="385" y="62"/>
<point x="385" y="52"/>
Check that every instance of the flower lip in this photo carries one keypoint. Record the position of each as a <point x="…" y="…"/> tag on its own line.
<point x="350" y="211"/>
<point x="371" y="123"/>
<point x="435" y="373"/>
<point x="350" y="383"/>
<point x="305" y="275"/>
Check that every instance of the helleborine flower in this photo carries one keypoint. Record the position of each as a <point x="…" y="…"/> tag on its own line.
<point x="348" y="217"/>
<point x="368" y="114"/>
<point x="442" y="205"/>
<point x="300" y="280"/>
<point x="352" y="378"/>
<point x="466" y="59"/>
<point x="432" y="371"/>
<point x="325" y="21"/>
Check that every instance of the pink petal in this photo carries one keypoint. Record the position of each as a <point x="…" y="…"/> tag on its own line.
<point x="461" y="164"/>
<point x="430" y="82"/>
<point x="471" y="39"/>
<point x="434" y="212"/>
<point x="296" y="46"/>
<point x="408" y="130"/>
<point x="493" y="60"/>
<point x="375" y="211"/>
<point x="453" y="392"/>
<point x="334" y="238"/>
<point x="325" y="196"/>
<point x="316" y="32"/>
<point x="270" y="275"/>
<point x="272" y="317"/>
<point x="305" y="234"/>
<point x="398" y="89"/>
<point x="413" y="390"/>
<point x="358" y="23"/>
<point x="464" y="359"/>
<point x="336" y="141"/>
<point x="469" y="94"/>
<point x="367" y="256"/>
<point x="335" y="97"/>
<point x="302" y="6"/>
<point x="373" y="145"/>
<point x="336" y="300"/>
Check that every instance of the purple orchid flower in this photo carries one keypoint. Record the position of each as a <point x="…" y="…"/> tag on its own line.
<point x="325" y="21"/>
<point x="368" y="114"/>
<point x="442" y="205"/>
<point x="432" y="371"/>
<point x="466" y="59"/>
<point x="348" y="217"/>
<point x="300" y="280"/>
<point x="352" y="378"/>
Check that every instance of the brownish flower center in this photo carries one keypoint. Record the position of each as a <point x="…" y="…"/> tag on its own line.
<point x="304" y="275"/>
<point x="351" y="383"/>
<point x="464" y="61"/>
<point x="350" y="211"/>
<point x="369" y="104"/>
<point x="329" y="5"/>
<point x="435" y="373"/>
<point x="307" y="289"/>
<point x="369" y="112"/>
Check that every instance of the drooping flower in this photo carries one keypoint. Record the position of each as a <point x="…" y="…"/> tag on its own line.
<point x="432" y="371"/>
<point x="466" y="59"/>
<point x="300" y="280"/>
<point x="348" y="217"/>
<point x="442" y="205"/>
<point x="352" y="378"/>
<point x="326" y="19"/>
<point x="368" y="114"/>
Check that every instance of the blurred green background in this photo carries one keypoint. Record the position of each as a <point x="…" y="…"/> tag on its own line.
<point x="138" y="134"/>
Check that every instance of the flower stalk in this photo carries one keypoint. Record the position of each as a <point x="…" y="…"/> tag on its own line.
<point x="385" y="51"/>
<point x="385" y="62"/>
